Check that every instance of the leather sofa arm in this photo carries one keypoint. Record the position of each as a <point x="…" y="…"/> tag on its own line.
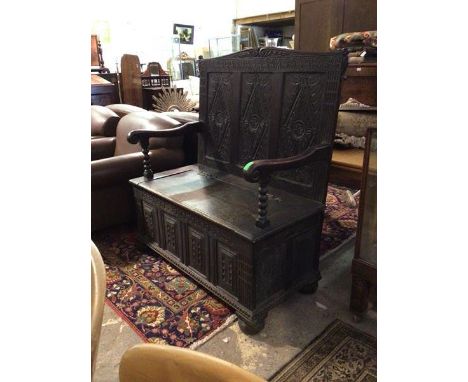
<point x="111" y="171"/>
<point x="120" y="169"/>
<point x="102" y="148"/>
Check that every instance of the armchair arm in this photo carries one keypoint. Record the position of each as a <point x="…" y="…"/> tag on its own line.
<point x="259" y="171"/>
<point x="143" y="137"/>
<point x="102" y="148"/>
<point x="136" y="136"/>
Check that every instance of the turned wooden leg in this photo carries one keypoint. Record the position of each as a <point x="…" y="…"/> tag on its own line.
<point x="251" y="327"/>
<point x="309" y="288"/>
<point x="262" y="220"/>
<point x="147" y="170"/>
<point x="359" y="296"/>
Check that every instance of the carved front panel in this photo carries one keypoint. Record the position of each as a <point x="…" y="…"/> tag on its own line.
<point x="149" y="221"/>
<point x="172" y="235"/>
<point x="197" y="251"/>
<point x="227" y="269"/>
<point x="219" y="116"/>
<point x="254" y="129"/>
<point x="272" y="266"/>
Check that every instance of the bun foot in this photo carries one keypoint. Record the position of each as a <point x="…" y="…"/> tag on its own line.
<point x="251" y="328"/>
<point x="309" y="288"/>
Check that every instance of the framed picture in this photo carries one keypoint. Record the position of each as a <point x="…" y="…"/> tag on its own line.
<point x="185" y="33"/>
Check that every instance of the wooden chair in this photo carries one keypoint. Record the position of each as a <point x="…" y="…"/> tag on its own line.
<point x="266" y="129"/>
<point x="158" y="363"/>
<point x="98" y="290"/>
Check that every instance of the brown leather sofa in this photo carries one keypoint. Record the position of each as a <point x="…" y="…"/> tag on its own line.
<point x="104" y="120"/>
<point x="111" y="194"/>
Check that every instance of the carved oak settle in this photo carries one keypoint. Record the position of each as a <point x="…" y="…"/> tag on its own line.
<point x="245" y="221"/>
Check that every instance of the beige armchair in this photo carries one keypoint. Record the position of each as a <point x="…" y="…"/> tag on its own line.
<point x="98" y="291"/>
<point x="161" y="363"/>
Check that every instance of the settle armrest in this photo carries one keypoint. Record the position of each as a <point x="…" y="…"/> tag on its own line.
<point x="261" y="169"/>
<point x="141" y="136"/>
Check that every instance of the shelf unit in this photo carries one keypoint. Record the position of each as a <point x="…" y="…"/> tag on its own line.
<point x="273" y="25"/>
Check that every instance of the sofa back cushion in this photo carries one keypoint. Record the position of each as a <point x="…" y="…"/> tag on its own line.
<point x="103" y="121"/>
<point x="122" y="109"/>
<point x="145" y="120"/>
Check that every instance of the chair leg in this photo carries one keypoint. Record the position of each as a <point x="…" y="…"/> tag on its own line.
<point x="359" y="295"/>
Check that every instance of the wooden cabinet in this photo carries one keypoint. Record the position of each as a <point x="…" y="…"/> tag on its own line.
<point x="319" y="20"/>
<point x="359" y="15"/>
<point x="360" y="82"/>
<point x="103" y="92"/>
<point x="316" y="22"/>
<point x="364" y="268"/>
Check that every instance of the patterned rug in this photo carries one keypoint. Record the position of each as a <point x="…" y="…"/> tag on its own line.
<point x="163" y="306"/>
<point x="340" y="353"/>
<point x="340" y="221"/>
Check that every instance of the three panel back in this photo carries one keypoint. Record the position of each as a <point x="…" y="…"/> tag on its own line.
<point x="270" y="103"/>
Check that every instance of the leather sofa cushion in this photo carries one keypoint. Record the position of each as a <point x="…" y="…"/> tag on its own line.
<point x="145" y="120"/>
<point x="103" y="121"/>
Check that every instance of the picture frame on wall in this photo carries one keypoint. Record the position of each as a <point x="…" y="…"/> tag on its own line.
<point x="184" y="32"/>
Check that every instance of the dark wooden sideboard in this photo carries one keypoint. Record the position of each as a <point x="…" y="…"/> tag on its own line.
<point x="319" y="20"/>
<point x="103" y="92"/>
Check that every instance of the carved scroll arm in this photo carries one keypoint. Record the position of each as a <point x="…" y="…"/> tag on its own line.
<point x="143" y="137"/>
<point x="259" y="171"/>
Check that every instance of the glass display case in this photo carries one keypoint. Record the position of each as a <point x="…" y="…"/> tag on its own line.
<point x="182" y="64"/>
<point x="364" y="268"/>
<point x="223" y="45"/>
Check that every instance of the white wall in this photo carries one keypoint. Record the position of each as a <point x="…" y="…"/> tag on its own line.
<point x="245" y="8"/>
<point x="144" y="27"/>
<point x="147" y="30"/>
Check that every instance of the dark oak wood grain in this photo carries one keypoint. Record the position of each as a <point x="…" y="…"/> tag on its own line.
<point x="245" y="221"/>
